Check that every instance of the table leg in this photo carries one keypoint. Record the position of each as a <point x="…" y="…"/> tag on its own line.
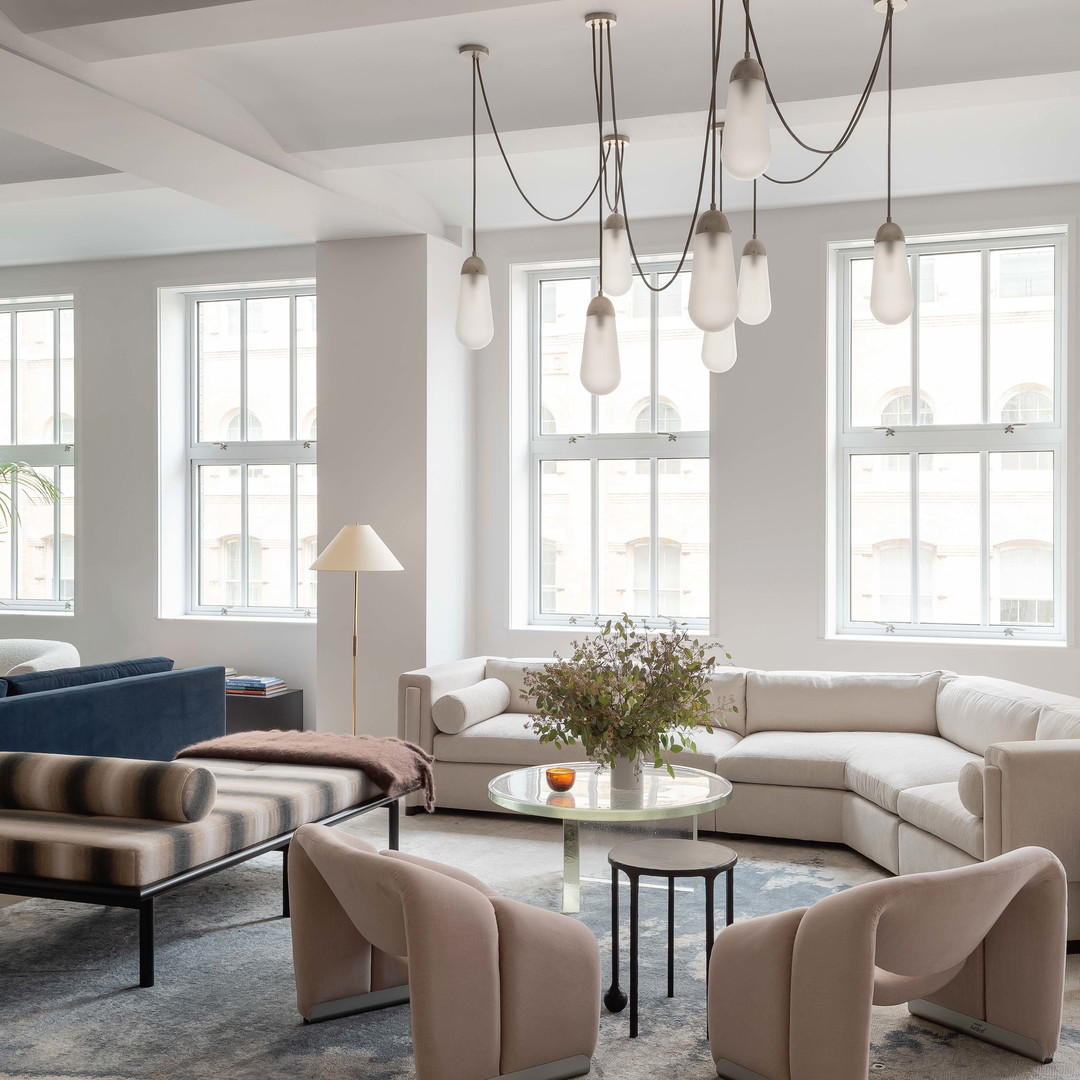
<point x="633" y="953"/>
<point x="710" y="933"/>
<point x="730" y="896"/>
<point x="671" y="937"/>
<point x="614" y="999"/>
<point x="693" y="829"/>
<point x="571" y="888"/>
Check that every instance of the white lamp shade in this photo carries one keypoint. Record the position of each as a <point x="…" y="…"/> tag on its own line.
<point x="713" y="302"/>
<point x="719" y="351"/>
<point x="891" y="297"/>
<point x="475" y="325"/>
<point x="755" y="295"/>
<point x="356" y="547"/>
<point x="747" y="150"/>
<point x="601" y="371"/>
<point x="618" y="269"/>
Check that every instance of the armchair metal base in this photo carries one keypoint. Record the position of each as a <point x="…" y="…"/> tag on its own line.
<point x="562" y="1069"/>
<point x="359" y="1003"/>
<point x="979" y="1029"/>
<point x="728" y="1070"/>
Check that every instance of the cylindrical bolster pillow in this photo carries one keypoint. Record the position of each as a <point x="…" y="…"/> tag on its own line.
<point x="453" y="713"/>
<point x="106" y="787"/>
<point x="971" y="787"/>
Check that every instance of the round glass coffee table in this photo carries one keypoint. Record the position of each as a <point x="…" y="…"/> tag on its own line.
<point x="687" y="794"/>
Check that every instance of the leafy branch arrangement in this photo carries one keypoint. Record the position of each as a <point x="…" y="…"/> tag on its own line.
<point x="17" y="474"/>
<point x="626" y="691"/>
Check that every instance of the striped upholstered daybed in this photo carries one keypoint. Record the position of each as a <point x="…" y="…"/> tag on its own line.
<point x="121" y="832"/>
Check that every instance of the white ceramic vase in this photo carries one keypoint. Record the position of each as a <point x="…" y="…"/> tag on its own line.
<point x="626" y="773"/>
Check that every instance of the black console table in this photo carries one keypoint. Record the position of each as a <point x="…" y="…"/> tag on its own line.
<point x="251" y="712"/>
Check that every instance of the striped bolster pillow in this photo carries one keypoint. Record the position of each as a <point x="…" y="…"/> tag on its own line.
<point x="109" y="787"/>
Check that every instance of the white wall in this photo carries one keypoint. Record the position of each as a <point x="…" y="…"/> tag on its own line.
<point x="116" y="605"/>
<point x="771" y="455"/>
<point x="395" y="452"/>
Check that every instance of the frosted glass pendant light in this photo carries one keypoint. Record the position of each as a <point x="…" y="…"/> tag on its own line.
<point x="475" y="326"/>
<point x="719" y="351"/>
<point x="618" y="270"/>
<point x="891" y="295"/>
<point x="600" y="368"/>
<point x="747" y="149"/>
<point x="755" y="296"/>
<point x="714" y="294"/>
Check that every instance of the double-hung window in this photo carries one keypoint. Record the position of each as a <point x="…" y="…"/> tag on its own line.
<point x="37" y="428"/>
<point x="252" y="451"/>
<point x="620" y="483"/>
<point x="951" y="442"/>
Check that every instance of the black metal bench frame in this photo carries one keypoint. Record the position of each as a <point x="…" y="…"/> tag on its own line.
<point x="142" y="896"/>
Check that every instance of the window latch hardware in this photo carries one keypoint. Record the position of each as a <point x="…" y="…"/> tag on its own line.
<point x="67" y="605"/>
<point x="307" y="444"/>
<point x="307" y="613"/>
<point x="223" y="446"/>
<point x="67" y="448"/>
<point x="574" y="438"/>
<point x="671" y="436"/>
<point x="1010" y="429"/>
<point x="888" y="431"/>
<point x="1011" y="631"/>
<point x="224" y="611"/>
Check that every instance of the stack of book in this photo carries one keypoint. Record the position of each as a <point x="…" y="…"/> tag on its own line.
<point x="255" y="685"/>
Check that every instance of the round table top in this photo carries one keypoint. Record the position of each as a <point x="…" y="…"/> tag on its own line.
<point x="686" y="794"/>
<point x="672" y="858"/>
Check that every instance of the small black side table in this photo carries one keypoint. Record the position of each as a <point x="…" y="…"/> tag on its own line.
<point x="669" y="859"/>
<point x="252" y="712"/>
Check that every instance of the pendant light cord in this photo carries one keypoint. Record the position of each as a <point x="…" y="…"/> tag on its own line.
<point x="712" y="105"/>
<point x="476" y="70"/>
<point x="754" y="227"/>
<point x="888" y="129"/>
<point x="601" y="174"/>
<point x="644" y="274"/>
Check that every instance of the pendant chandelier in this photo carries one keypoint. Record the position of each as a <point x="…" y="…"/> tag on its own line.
<point x="739" y="145"/>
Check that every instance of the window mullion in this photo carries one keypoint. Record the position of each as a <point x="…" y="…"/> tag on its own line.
<point x="654" y="537"/>
<point x="916" y="545"/>
<point x="984" y="527"/>
<point x="916" y="325"/>
<point x="594" y="473"/>
<point x="56" y="534"/>
<point x="243" y="373"/>
<point x="984" y="328"/>
<point x="245" y="540"/>
<point x="294" y="536"/>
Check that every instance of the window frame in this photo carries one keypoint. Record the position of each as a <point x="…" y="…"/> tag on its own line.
<point x="294" y="452"/>
<point x="653" y="445"/>
<point x="46" y="457"/>
<point x="992" y="436"/>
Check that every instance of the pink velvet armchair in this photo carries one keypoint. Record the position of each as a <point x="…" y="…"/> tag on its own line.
<point x="497" y="987"/>
<point x="980" y="949"/>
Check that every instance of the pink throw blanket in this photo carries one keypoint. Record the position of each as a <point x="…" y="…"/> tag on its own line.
<point x="394" y="765"/>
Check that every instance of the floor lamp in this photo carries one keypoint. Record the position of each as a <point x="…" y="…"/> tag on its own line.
<point x="356" y="548"/>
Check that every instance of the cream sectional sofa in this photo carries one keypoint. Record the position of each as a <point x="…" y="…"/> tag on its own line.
<point x="915" y="771"/>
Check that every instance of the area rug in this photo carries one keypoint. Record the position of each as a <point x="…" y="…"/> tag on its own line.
<point x="223" y="1006"/>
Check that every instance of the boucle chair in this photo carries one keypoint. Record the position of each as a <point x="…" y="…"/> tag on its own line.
<point x="980" y="949"/>
<point x="19" y="656"/>
<point x="498" y="988"/>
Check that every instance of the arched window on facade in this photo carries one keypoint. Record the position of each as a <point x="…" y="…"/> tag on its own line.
<point x="233" y="572"/>
<point x="896" y="412"/>
<point x="1028" y="405"/>
<point x="1024" y="574"/>
<point x="232" y="428"/>
<point x="667" y="419"/>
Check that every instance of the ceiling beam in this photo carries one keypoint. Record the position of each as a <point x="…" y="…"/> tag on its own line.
<point x="65" y="112"/>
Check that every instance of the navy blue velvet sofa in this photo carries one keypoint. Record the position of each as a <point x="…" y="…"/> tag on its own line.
<point x="131" y="709"/>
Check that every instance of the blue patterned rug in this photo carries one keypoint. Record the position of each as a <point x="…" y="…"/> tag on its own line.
<point x="223" y="1006"/>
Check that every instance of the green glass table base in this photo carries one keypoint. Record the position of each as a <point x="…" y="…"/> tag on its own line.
<point x="687" y="794"/>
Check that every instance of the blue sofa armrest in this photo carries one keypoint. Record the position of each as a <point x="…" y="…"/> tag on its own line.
<point x="145" y="716"/>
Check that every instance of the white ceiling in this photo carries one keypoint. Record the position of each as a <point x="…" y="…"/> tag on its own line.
<point x="277" y="121"/>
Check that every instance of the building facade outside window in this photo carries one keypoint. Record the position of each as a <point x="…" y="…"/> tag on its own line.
<point x="619" y="487"/>
<point x="950" y="518"/>
<point x="252" y="451"/>
<point x="37" y="427"/>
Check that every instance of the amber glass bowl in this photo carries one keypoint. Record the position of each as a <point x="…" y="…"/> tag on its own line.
<point x="560" y="779"/>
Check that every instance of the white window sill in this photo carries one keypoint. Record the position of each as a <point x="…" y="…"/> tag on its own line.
<point x="48" y="613"/>
<point x="893" y="639"/>
<point x="279" y="620"/>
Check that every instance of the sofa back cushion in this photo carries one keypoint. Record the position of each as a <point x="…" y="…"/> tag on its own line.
<point x="1058" y="722"/>
<point x="108" y="787"/>
<point x="512" y="672"/>
<point x="62" y="678"/>
<point x="976" y="710"/>
<point x="460" y="709"/>
<point x="841" y="701"/>
<point x="728" y="684"/>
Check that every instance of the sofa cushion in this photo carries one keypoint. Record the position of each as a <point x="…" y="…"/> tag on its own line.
<point x="502" y="740"/>
<point x="255" y="801"/>
<point x="729" y="684"/>
<point x="975" y="711"/>
<point x="62" y="678"/>
<point x="794" y="758"/>
<point x="841" y="701"/>
<point x="711" y="747"/>
<point x="511" y="672"/>
<point x="879" y="772"/>
<point x="21" y="655"/>
<point x="462" y="708"/>
<point x="970" y="786"/>
<point x="937" y="809"/>
<point x="1056" y="722"/>
<point x="113" y="787"/>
